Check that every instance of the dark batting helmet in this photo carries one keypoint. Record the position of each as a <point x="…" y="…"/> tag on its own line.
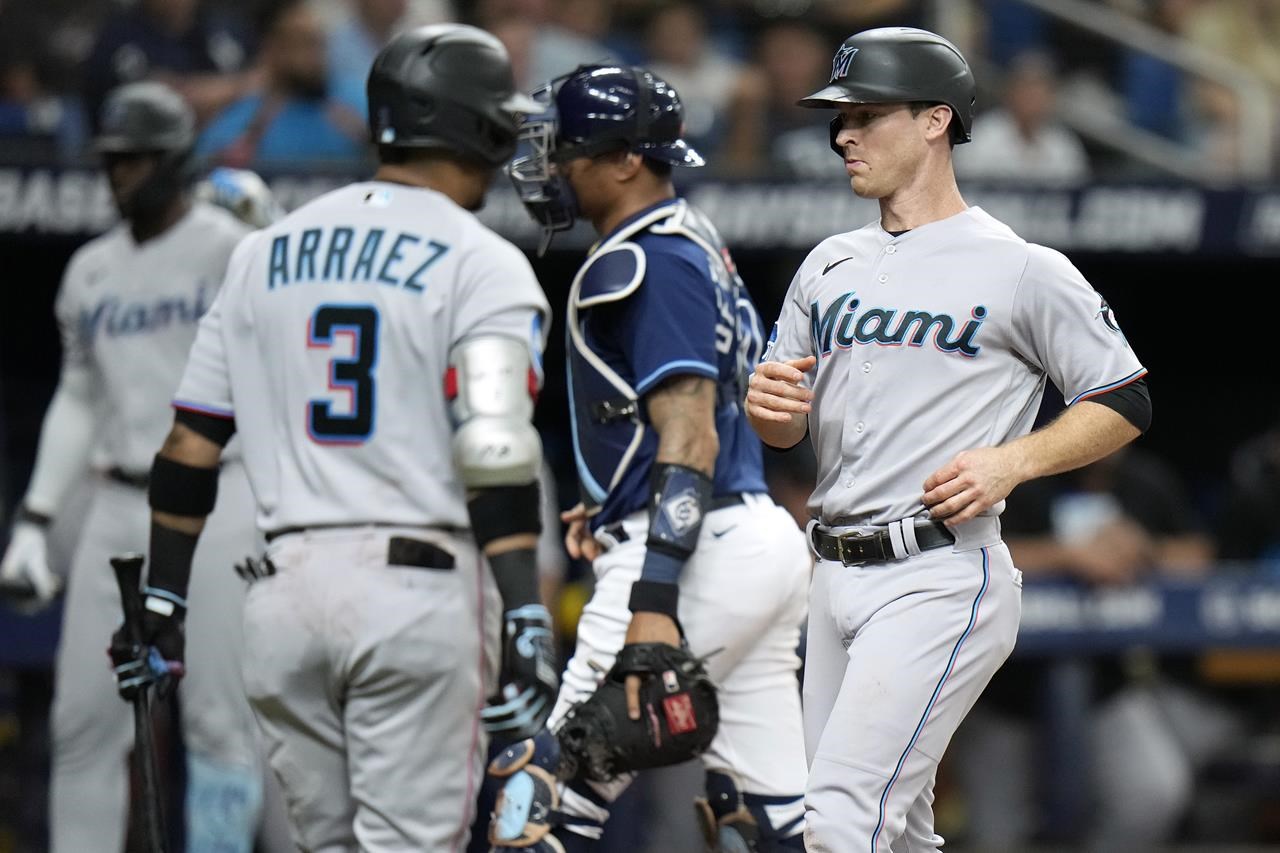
<point x="591" y="111"/>
<point x="152" y="119"/>
<point x="449" y="87"/>
<point x="899" y="64"/>
<point x="143" y="118"/>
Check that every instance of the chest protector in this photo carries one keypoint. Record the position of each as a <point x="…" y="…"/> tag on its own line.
<point x="608" y="421"/>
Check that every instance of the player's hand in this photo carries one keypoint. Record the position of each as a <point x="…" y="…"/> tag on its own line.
<point x="775" y="393"/>
<point x="971" y="483"/>
<point x="26" y="580"/>
<point x="647" y="627"/>
<point x="159" y="659"/>
<point x="530" y="678"/>
<point x="578" y="540"/>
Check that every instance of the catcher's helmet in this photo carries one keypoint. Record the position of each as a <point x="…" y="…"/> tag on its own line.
<point x="448" y="86"/>
<point x="145" y="117"/>
<point x="606" y="107"/>
<point x="591" y="111"/>
<point x="899" y="64"/>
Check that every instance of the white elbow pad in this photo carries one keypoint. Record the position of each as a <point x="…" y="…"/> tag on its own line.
<point x="494" y="442"/>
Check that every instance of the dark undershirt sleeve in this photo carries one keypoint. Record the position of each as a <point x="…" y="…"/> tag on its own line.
<point x="216" y="429"/>
<point x="1132" y="401"/>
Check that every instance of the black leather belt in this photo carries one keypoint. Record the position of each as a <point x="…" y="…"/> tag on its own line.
<point x="401" y="550"/>
<point x="136" y="479"/>
<point x="853" y="549"/>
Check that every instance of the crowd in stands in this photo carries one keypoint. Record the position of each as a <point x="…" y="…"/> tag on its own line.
<point x="280" y="82"/>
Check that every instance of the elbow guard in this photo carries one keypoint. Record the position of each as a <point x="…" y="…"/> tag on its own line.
<point x="490" y="386"/>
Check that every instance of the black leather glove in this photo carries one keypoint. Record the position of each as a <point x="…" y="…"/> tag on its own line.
<point x="160" y="657"/>
<point x="530" y="676"/>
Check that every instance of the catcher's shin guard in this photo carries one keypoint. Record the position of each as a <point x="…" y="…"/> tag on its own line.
<point x="528" y="804"/>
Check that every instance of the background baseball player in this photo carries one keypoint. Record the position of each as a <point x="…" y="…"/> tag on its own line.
<point x="377" y="351"/>
<point x="915" y="351"/>
<point x="674" y="517"/>
<point x="128" y="309"/>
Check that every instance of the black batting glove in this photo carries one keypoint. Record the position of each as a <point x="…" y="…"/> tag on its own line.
<point x="160" y="657"/>
<point x="530" y="676"/>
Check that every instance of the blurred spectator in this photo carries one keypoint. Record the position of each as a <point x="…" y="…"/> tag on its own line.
<point x="293" y="117"/>
<point x="1119" y="521"/>
<point x="1247" y="528"/>
<point x="1245" y="31"/>
<point x="796" y="60"/>
<point x="850" y="18"/>
<point x="1155" y="90"/>
<point x="548" y="38"/>
<point x="1022" y="141"/>
<point x="35" y="123"/>
<point x="1013" y="29"/>
<point x="1248" y="33"/>
<point x="357" y="38"/>
<point x="202" y="54"/>
<point x="724" y="101"/>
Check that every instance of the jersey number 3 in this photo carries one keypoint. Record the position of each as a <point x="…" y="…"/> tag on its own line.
<point x="352" y="375"/>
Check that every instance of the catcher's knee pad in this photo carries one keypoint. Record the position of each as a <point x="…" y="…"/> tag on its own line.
<point x="735" y="822"/>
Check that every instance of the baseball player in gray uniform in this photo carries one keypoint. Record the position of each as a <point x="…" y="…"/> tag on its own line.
<point x="915" y="351"/>
<point x="377" y="351"/>
<point x="128" y="309"/>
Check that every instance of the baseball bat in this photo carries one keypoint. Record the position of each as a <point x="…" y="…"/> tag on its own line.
<point x="128" y="570"/>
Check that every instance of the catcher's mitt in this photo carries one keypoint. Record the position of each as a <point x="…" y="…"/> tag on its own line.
<point x="679" y="715"/>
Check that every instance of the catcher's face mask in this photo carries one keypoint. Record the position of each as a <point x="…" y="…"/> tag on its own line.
<point x="545" y="193"/>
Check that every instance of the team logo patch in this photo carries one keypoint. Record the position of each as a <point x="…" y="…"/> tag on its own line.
<point x="1108" y="316"/>
<point x="679" y="714"/>
<point x="840" y="65"/>
<point x="682" y="512"/>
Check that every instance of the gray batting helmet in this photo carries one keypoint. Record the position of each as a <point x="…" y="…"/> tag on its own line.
<point x="145" y="117"/>
<point x="448" y="86"/>
<point x="900" y="64"/>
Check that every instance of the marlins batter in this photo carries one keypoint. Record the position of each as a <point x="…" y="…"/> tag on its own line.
<point x="377" y="351"/>
<point x="915" y="351"/>
<point x="661" y="338"/>
<point x="128" y="309"/>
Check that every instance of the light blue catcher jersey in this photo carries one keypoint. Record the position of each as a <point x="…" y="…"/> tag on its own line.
<point x="659" y="297"/>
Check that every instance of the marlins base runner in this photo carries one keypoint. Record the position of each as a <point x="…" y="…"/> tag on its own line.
<point x="915" y="351"/>
<point x="377" y="351"/>
<point x="128" y="308"/>
<point x="687" y="548"/>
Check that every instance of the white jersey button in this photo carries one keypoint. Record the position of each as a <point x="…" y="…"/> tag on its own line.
<point x="883" y="278"/>
<point x="891" y="249"/>
<point x="860" y="426"/>
<point x="866" y="367"/>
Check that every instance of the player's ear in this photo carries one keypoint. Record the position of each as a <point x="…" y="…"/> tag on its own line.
<point x="628" y="165"/>
<point x="937" y="121"/>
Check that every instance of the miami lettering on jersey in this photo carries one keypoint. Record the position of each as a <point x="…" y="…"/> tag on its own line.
<point x="889" y="327"/>
<point x="341" y="254"/>
<point x="115" y="318"/>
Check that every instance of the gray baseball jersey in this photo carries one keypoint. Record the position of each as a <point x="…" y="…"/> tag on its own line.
<point x="930" y="343"/>
<point x="128" y="312"/>
<point x="330" y="342"/>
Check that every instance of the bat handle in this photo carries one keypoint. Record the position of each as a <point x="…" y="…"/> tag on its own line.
<point x="128" y="570"/>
